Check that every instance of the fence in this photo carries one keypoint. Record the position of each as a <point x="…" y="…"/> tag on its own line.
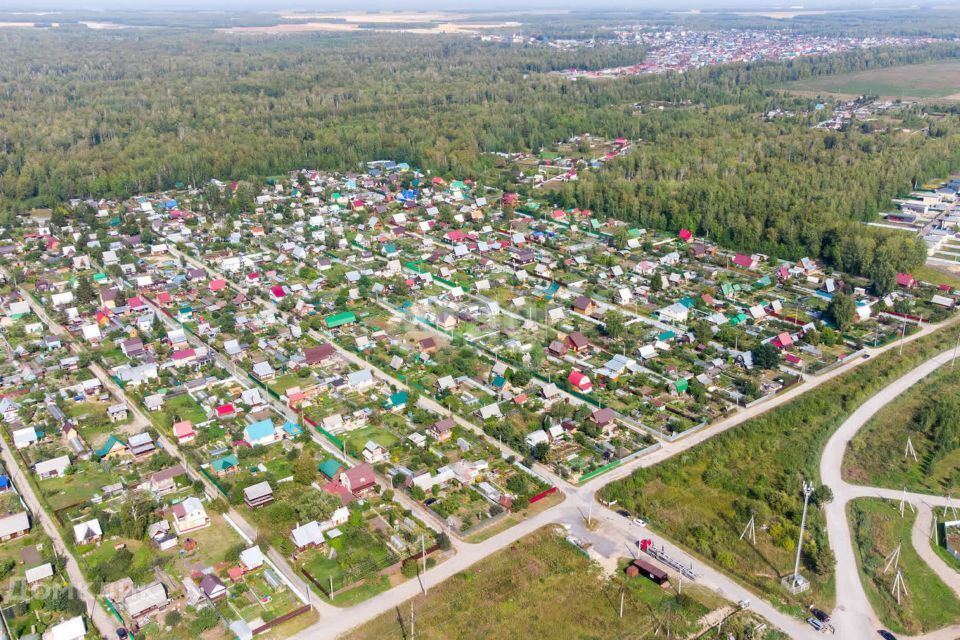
<point x="213" y="481"/>
<point x="599" y="470"/>
<point x="280" y="620"/>
<point x="543" y="494"/>
<point x="326" y="434"/>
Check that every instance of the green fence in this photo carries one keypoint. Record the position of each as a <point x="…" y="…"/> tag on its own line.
<point x="599" y="470"/>
<point x="213" y="481"/>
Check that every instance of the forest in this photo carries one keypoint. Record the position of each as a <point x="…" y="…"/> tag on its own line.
<point x="114" y="113"/>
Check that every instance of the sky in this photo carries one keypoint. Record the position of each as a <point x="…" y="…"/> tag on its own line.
<point x="390" y="5"/>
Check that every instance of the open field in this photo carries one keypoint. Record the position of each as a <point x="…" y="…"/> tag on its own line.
<point x="537" y="586"/>
<point x="877" y="529"/>
<point x="924" y="81"/>
<point x="876" y="456"/>
<point x="706" y="496"/>
<point x="938" y="274"/>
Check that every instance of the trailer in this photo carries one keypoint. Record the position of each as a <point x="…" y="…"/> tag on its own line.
<point x="646" y="545"/>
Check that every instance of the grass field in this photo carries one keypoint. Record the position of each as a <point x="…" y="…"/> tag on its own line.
<point x="705" y="496"/>
<point x="877" y="529"/>
<point x="923" y="81"/>
<point x="876" y="457"/>
<point x="938" y="274"/>
<point x="542" y="584"/>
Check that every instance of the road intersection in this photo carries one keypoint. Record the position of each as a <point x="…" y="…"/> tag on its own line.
<point x="613" y="536"/>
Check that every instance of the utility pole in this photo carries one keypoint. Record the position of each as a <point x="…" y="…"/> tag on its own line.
<point x="910" y="450"/>
<point x="807" y="491"/>
<point x="621" y="602"/>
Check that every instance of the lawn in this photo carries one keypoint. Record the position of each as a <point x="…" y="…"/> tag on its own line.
<point x="877" y="529"/>
<point x="706" y="496"/>
<point x="357" y="439"/>
<point x="876" y="456"/>
<point x="537" y="586"/>
<point x="359" y="555"/>
<point x="183" y="407"/>
<point x="933" y="80"/>
<point x="87" y="480"/>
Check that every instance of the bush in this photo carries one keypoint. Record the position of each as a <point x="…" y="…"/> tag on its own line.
<point x="173" y="618"/>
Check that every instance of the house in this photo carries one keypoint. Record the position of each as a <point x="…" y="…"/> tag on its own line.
<point x="226" y="465"/>
<point x="604" y="418"/>
<point x="53" y="468"/>
<point x="23" y="438"/>
<point x="112" y="448"/>
<point x="38" y="573"/>
<point x="14" y="525"/>
<point x="584" y="305"/>
<point x="72" y="629"/>
<point x="331" y="468"/>
<point x="258" y="495"/>
<point x="558" y="348"/>
<point x="580" y="381"/>
<point x="745" y="261"/>
<point x="307" y="536"/>
<point x="675" y="312"/>
<point x="261" y="433"/>
<point x="150" y="599"/>
<point x="375" y="453"/>
<point x="359" y="480"/>
<point x="577" y="342"/>
<point x="906" y="281"/>
<point x="263" y="371"/>
<point x="213" y="587"/>
<point x="319" y="354"/>
<point x="189" y="515"/>
<point x="442" y="430"/>
<point x="184" y="431"/>
<point x="251" y="559"/>
<point x="141" y="446"/>
<point x="117" y="412"/>
<point x="447" y="321"/>
<point x="88" y="532"/>
<point x="397" y="401"/>
<point x="164" y="481"/>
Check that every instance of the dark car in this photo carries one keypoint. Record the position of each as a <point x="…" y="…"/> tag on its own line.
<point x="122" y="633"/>
<point x="623" y="512"/>
<point x="886" y="635"/>
<point x="820" y="615"/>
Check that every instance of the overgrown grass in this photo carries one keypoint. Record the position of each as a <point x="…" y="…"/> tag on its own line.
<point x="876" y="456"/>
<point x="877" y="529"/>
<point x="543" y="587"/>
<point x="705" y="497"/>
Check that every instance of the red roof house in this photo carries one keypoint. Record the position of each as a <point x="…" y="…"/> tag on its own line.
<point x="580" y="381"/>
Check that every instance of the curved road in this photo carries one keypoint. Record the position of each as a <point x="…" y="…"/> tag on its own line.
<point x="855" y="617"/>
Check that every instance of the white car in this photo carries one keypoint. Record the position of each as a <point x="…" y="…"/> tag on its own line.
<point x="640" y="522"/>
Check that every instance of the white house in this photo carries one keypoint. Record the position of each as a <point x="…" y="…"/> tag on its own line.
<point x="53" y="468"/>
<point x="72" y="629"/>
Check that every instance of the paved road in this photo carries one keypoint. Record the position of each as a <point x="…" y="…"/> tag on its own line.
<point x="105" y="624"/>
<point x="854" y="616"/>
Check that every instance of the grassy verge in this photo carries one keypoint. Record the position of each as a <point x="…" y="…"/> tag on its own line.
<point x="876" y="457"/>
<point x="516" y="518"/>
<point x="539" y="586"/>
<point x="877" y="529"/>
<point x="704" y="497"/>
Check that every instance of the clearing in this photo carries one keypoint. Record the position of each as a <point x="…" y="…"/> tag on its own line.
<point x="877" y="456"/>
<point x="540" y="584"/>
<point x="918" y="81"/>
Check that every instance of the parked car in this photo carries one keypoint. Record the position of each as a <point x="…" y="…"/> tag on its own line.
<point x="623" y="512"/>
<point x="640" y="522"/>
<point x="816" y="624"/>
<point x="819" y="615"/>
<point x="886" y="635"/>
